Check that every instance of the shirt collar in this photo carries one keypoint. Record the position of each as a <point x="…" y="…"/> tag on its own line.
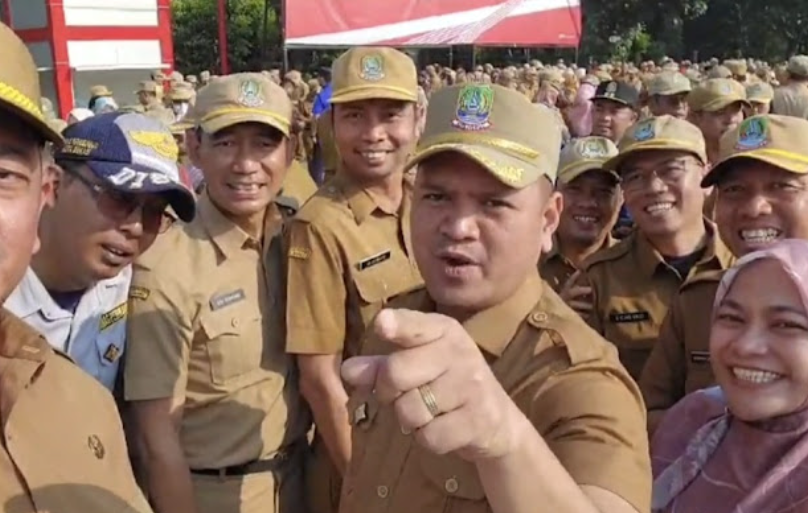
<point x="494" y="328"/>
<point x="226" y="235"/>
<point x="650" y="259"/>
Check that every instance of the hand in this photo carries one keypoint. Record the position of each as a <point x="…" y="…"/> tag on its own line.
<point x="578" y="297"/>
<point x="474" y="416"/>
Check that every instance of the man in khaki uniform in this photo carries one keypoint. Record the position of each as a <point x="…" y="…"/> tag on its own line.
<point x="220" y="419"/>
<point x="148" y="96"/>
<point x="661" y="163"/>
<point x="667" y="94"/>
<point x="716" y="107"/>
<point x="792" y="98"/>
<point x="62" y="446"/>
<point x="349" y="247"/>
<point x="487" y="344"/>
<point x="592" y="201"/>
<point x="763" y="197"/>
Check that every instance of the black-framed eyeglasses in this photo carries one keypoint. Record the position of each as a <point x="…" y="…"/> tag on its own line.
<point x="118" y="205"/>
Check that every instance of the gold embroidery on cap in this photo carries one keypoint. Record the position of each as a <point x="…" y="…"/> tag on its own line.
<point x="371" y="67"/>
<point x="13" y="96"/>
<point x="161" y="143"/>
<point x="513" y="148"/>
<point x="81" y="147"/>
<point x="509" y="174"/>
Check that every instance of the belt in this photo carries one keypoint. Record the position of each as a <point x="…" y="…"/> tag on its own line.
<point x="254" y="467"/>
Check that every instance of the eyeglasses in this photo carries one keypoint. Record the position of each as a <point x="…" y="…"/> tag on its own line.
<point x="119" y="205"/>
<point x="670" y="174"/>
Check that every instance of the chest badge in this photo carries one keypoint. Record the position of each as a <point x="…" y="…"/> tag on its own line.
<point x="374" y="260"/>
<point x="629" y="317"/>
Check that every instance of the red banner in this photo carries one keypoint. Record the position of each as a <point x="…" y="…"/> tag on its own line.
<point x="344" y="23"/>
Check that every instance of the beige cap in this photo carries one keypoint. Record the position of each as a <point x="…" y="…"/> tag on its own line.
<point x="242" y="98"/>
<point x="585" y="154"/>
<point x="19" y="85"/>
<point x="715" y="94"/>
<point x="182" y="92"/>
<point x="781" y="141"/>
<point x="365" y="73"/>
<point x="669" y="83"/>
<point x="147" y="86"/>
<point x="660" y="133"/>
<point x="495" y="126"/>
<point x="719" y="72"/>
<point x="100" y="91"/>
<point x="738" y="67"/>
<point x="798" y="65"/>
<point x="759" y="92"/>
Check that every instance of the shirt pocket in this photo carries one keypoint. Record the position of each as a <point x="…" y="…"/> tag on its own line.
<point x="455" y="480"/>
<point x="234" y="344"/>
<point x="373" y="292"/>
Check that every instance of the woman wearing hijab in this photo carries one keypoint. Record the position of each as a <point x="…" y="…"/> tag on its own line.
<point x="742" y="447"/>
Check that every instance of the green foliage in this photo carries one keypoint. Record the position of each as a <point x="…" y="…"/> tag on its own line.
<point x="253" y="44"/>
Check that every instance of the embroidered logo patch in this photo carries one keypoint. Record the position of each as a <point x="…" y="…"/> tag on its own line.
<point x="250" y="94"/>
<point x="753" y="133"/>
<point x="645" y="131"/>
<point x="371" y="68"/>
<point x="474" y="106"/>
<point x="594" y="148"/>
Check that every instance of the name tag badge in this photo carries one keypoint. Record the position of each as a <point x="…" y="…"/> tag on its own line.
<point x="227" y="299"/>
<point x="374" y="260"/>
<point x="112" y="353"/>
<point x="700" y="356"/>
<point x="627" y="317"/>
<point x="112" y="317"/>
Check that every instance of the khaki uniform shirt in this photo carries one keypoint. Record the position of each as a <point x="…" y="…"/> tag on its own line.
<point x="565" y="378"/>
<point x="62" y="446"/>
<point x="791" y="100"/>
<point x="632" y="287"/>
<point x="206" y="326"/>
<point x="680" y="361"/>
<point x="556" y="270"/>
<point x="299" y="185"/>
<point x="347" y="258"/>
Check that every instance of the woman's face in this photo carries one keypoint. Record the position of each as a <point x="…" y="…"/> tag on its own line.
<point x="759" y="343"/>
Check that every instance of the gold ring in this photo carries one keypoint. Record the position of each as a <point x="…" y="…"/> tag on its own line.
<point x="429" y="400"/>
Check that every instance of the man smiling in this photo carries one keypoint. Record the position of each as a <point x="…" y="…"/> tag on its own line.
<point x="118" y="175"/>
<point x="592" y="201"/>
<point x="350" y="248"/>
<point x="661" y="164"/>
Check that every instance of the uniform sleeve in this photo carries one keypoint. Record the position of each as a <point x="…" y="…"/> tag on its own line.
<point x="315" y="312"/>
<point x="663" y="379"/>
<point x="159" y="338"/>
<point x="594" y="422"/>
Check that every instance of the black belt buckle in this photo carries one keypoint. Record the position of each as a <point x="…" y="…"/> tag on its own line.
<point x="253" y="467"/>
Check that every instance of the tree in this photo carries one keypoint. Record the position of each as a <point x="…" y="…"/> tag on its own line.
<point x="254" y="41"/>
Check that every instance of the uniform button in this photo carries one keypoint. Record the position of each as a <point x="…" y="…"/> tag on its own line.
<point x="539" y="317"/>
<point x="235" y="323"/>
<point x="382" y="491"/>
<point x="451" y="485"/>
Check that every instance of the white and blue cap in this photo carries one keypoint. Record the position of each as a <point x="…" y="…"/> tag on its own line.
<point x="131" y="153"/>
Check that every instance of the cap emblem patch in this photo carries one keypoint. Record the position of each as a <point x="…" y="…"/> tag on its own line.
<point x="250" y="94"/>
<point x="474" y="106"/>
<point x="753" y="133"/>
<point x="645" y="131"/>
<point x="371" y="68"/>
<point x="594" y="148"/>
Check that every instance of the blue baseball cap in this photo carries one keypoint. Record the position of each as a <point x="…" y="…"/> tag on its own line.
<point x="131" y="153"/>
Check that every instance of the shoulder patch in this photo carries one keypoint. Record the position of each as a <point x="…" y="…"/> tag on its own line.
<point x="614" y="252"/>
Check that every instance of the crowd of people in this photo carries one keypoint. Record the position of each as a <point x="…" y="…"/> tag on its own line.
<point x="518" y="289"/>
